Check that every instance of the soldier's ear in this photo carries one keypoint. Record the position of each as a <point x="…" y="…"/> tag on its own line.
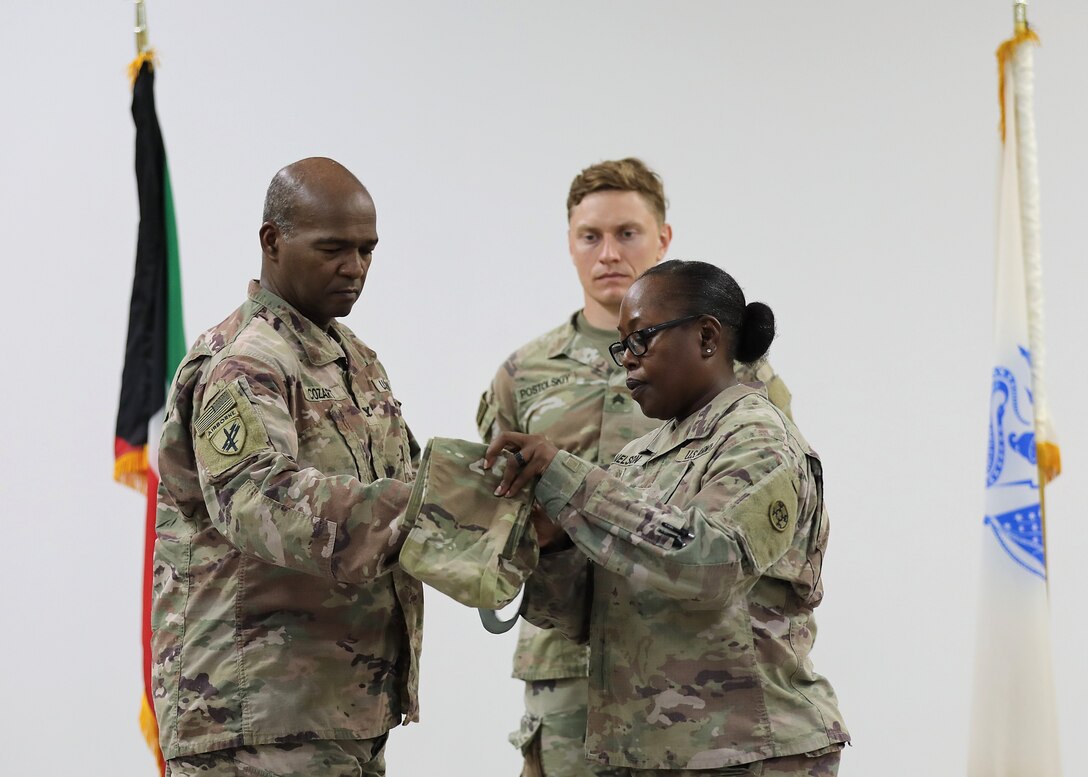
<point x="270" y="240"/>
<point x="664" y="238"/>
<point x="710" y="334"/>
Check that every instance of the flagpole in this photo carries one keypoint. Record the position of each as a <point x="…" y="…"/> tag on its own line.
<point x="141" y="27"/>
<point x="1020" y="27"/>
<point x="1019" y="15"/>
<point x="1048" y="458"/>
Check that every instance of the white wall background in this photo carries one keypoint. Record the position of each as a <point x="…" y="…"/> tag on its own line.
<point x="838" y="158"/>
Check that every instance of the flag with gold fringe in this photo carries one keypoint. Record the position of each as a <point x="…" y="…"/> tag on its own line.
<point x="155" y="345"/>
<point x="1014" y="730"/>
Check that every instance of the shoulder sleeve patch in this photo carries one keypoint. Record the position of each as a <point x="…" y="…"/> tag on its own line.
<point x="228" y="430"/>
<point x="485" y="414"/>
<point x="768" y="517"/>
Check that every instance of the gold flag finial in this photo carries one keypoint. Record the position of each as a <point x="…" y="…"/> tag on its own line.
<point x="144" y="52"/>
<point x="141" y="27"/>
<point x="1020" y="16"/>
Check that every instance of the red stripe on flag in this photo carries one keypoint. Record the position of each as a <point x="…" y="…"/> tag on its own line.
<point x="149" y="581"/>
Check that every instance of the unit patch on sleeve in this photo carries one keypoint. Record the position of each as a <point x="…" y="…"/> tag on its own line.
<point x="779" y="515"/>
<point x="227" y="430"/>
<point x="768" y="517"/>
<point x="228" y="433"/>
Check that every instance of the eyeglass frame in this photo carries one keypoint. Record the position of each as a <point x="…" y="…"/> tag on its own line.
<point x="622" y="346"/>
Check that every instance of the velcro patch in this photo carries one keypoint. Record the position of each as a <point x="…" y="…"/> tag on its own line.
<point x="627" y="459"/>
<point x="380" y="384"/>
<point x="779" y="515"/>
<point x="228" y="434"/>
<point x="485" y="415"/>
<point x="693" y="452"/>
<point x="768" y="517"/>
<point x="223" y="403"/>
<point x="619" y="402"/>
<point x="229" y="430"/>
<point x="314" y="393"/>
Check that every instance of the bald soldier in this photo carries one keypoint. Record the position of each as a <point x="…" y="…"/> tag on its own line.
<point x="286" y="640"/>
<point x="565" y="385"/>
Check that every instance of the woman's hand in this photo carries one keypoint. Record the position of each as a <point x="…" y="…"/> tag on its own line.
<point x="528" y="455"/>
<point x="548" y="533"/>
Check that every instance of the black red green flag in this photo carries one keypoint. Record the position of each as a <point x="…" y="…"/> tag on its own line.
<point x="155" y="345"/>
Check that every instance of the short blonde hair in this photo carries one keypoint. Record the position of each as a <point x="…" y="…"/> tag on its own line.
<point x="623" y="175"/>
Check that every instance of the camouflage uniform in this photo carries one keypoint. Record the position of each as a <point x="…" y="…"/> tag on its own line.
<point x="324" y="757"/>
<point x="564" y="385"/>
<point x="279" y="613"/>
<point x="707" y="539"/>
<point x="473" y="546"/>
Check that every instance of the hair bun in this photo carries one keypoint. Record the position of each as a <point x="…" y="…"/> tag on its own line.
<point x="755" y="333"/>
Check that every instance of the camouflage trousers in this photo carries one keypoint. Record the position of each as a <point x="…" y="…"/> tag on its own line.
<point x="552" y="736"/>
<point x="325" y="757"/>
<point x="821" y="763"/>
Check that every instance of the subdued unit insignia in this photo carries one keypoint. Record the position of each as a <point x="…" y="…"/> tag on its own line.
<point x="228" y="430"/>
<point x="228" y="434"/>
<point x="381" y="384"/>
<point x="222" y="424"/>
<point x="779" y="515"/>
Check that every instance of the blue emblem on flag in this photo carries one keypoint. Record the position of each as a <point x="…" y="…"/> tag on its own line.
<point x="1012" y="480"/>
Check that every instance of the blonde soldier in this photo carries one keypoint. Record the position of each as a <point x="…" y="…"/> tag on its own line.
<point x="564" y="385"/>
<point x="286" y="640"/>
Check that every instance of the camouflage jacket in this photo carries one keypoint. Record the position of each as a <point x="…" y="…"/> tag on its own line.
<point x="560" y="385"/>
<point x="278" y="610"/>
<point x="707" y="539"/>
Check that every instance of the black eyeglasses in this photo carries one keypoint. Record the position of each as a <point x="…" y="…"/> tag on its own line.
<point x="638" y="342"/>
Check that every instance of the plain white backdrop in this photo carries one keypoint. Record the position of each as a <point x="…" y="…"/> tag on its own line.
<point x="838" y="158"/>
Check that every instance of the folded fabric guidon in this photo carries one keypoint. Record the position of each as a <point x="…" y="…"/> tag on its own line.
<point x="463" y="540"/>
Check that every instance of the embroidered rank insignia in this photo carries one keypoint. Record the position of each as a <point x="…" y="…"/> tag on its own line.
<point x="779" y="515"/>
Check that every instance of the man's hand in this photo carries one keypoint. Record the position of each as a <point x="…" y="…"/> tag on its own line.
<point x="528" y="455"/>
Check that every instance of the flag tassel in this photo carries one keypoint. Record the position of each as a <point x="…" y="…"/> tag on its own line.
<point x="1004" y="55"/>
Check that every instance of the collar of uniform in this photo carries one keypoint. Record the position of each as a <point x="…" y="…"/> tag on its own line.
<point x="569" y="343"/>
<point x="702" y="423"/>
<point x="319" y="347"/>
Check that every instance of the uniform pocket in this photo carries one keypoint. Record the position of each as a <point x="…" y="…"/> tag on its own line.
<point x="332" y="446"/>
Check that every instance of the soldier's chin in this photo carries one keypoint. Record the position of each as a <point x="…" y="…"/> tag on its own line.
<point x="342" y="307"/>
<point x="610" y="296"/>
<point x="649" y="408"/>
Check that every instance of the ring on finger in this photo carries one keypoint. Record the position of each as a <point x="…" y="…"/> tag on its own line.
<point x="519" y="458"/>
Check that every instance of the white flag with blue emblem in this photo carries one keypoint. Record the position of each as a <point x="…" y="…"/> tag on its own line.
<point x="1014" y="730"/>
